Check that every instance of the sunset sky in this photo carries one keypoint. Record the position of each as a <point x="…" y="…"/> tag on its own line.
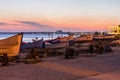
<point x="52" y="15"/>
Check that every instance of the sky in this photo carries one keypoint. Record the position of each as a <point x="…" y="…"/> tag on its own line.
<point x="52" y="15"/>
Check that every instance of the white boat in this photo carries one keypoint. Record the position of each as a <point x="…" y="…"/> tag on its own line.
<point x="11" y="45"/>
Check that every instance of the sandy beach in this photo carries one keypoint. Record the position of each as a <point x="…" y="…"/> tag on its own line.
<point x="100" y="67"/>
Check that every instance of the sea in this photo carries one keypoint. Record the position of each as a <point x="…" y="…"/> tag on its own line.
<point x="27" y="37"/>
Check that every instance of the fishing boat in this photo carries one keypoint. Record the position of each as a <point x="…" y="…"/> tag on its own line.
<point x="103" y="37"/>
<point x="117" y="42"/>
<point x="11" y="45"/>
<point x="57" y="45"/>
<point x="84" y="38"/>
<point x="53" y="41"/>
<point x="67" y="38"/>
<point x="35" y="44"/>
<point x="60" y="42"/>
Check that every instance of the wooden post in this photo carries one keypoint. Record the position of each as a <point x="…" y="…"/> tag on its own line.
<point x="5" y="60"/>
<point x="67" y="52"/>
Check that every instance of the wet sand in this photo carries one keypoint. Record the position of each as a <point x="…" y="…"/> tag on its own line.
<point x="100" y="67"/>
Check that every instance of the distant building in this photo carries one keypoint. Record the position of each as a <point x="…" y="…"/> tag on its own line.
<point x="114" y="30"/>
<point x="59" y="31"/>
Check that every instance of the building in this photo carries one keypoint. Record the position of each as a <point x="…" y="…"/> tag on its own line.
<point x="114" y="30"/>
<point x="59" y="31"/>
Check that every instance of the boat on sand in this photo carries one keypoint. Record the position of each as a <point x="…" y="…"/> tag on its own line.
<point x="11" y="45"/>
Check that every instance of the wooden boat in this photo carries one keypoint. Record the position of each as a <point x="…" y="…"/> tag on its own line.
<point x="53" y="41"/>
<point x="67" y="38"/>
<point x="104" y="37"/>
<point x="57" y="45"/>
<point x="35" y="44"/>
<point x="115" y="42"/>
<point x="60" y="42"/>
<point x="11" y="45"/>
<point x="84" y="38"/>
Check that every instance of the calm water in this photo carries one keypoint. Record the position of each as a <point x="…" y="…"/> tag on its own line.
<point x="29" y="37"/>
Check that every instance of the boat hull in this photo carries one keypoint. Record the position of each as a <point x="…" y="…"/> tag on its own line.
<point x="11" y="45"/>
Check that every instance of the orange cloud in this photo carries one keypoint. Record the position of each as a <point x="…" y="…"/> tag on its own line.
<point x="84" y="23"/>
<point x="73" y="23"/>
